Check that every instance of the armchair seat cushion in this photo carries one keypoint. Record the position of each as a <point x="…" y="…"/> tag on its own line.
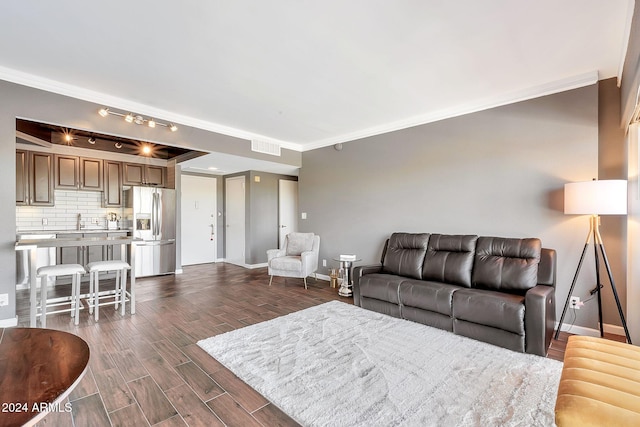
<point x="495" y="309"/>
<point x="286" y="263"/>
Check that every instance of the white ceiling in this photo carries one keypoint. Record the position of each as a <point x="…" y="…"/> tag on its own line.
<point x="308" y="74"/>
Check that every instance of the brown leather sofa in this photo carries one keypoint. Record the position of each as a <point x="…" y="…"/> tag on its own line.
<point x="497" y="290"/>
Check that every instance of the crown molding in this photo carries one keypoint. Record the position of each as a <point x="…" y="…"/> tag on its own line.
<point x="549" y="88"/>
<point x="49" y="85"/>
<point x="102" y="99"/>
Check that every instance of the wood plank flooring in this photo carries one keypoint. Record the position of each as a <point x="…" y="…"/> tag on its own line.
<point x="146" y="369"/>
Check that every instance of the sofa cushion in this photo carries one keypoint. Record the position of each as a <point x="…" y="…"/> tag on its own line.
<point x="298" y="243"/>
<point x="496" y="309"/>
<point x="427" y="295"/>
<point x="405" y="254"/>
<point x="508" y="265"/>
<point x="449" y="259"/>
<point x="380" y="286"/>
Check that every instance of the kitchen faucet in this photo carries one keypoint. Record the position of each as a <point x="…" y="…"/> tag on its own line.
<point x="79" y="224"/>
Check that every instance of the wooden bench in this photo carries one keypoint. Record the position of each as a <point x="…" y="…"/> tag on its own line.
<point x="600" y="384"/>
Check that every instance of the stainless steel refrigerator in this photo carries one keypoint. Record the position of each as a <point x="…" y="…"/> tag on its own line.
<point x="152" y="215"/>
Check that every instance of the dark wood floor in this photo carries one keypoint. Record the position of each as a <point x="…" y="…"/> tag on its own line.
<point x="147" y="369"/>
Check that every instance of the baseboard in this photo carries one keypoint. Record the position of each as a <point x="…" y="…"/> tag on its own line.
<point x="8" y="323"/>
<point x="590" y="332"/>
<point x="323" y="277"/>
<point x="252" y="266"/>
<point x="179" y="271"/>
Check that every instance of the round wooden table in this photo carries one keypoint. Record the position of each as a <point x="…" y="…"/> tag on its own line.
<point x="38" y="370"/>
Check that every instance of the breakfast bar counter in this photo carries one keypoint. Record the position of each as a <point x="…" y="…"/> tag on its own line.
<point x="32" y="245"/>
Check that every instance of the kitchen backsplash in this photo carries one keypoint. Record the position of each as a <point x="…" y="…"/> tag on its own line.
<point x="64" y="215"/>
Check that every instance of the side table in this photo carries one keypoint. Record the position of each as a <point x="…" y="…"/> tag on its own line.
<point x="346" y="265"/>
<point x="38" y="369"/>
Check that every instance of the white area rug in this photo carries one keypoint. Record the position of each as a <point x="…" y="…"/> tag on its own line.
<point x="339" y="365"/>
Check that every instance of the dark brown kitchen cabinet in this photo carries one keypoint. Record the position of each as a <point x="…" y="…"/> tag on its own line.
<point x="22" y="178"/>
<point x="67" y="172"/>
<point x="112" y="184"/>
<point x="139" y="174"/>
<point x="91" y="174"/>
<point x="34" y="178"/>
<point x="78" y="173"/>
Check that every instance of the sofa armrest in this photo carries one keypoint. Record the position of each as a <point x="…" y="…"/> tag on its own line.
<point x="358" y="272"/>
<point x="539" y="318"/>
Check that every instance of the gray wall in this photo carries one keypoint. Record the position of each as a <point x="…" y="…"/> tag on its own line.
<point x="612" y="164"/>
<point x="261" y="215"/>
<point x="497" y="172"/>
<point x="33" y="104"/>
<point x="263" y="209"/>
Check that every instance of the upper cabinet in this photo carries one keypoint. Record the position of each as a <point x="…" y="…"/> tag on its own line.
<point x="138" y="174"/>
<point x="78" y="173"/>
<point x="112" y="184"/>
<point x="91" y="174"/>
<point x="34" y="178"/>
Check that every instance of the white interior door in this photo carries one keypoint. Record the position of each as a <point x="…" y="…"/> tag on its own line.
<point x="287" y="208"/>
<point x="235" y="226"/>
<point x="198" y="225"/>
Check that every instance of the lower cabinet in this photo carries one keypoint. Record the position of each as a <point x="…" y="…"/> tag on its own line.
<point x="115" y="251"/>
<point x="81" y="255"/>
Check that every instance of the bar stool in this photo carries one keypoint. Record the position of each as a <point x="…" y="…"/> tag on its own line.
<point x="120" y="292"/>
<point x="44" y="273"/>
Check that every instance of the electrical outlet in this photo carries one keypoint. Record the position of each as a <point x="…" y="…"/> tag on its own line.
<point x="45" y="221"/>
<point x="4" y="300"/>
<point x="95" y="221"/>
<point x="324" y="262"/>
<point x="574" y="303"/>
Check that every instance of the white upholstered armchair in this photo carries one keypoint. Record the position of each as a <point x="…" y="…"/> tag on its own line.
<point x="298" y="257"/>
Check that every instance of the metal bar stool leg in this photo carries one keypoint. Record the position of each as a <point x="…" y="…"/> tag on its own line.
<point x="91" y="295"/>
<point x="43" y="301"/>
<point x="123" y="290"/>
<point x="116" y="297"/>
<point x="96" y="294"/>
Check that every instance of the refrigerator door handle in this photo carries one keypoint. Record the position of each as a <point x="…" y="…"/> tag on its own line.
<point x="155" y="207"/>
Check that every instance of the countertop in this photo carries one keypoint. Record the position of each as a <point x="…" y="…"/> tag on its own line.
<point x="74" y="242"/>
<point x="81" y="231"/>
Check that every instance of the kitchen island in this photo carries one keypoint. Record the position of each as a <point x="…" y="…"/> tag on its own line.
<point x="32" y="245"/>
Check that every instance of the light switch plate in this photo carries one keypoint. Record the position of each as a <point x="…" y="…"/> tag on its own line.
<point x="303" y="215"/>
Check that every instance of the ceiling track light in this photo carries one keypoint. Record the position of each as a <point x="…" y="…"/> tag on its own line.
<point x="136" y="119"/>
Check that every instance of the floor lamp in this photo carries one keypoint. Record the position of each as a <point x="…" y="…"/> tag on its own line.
<point x="595" y="198"/>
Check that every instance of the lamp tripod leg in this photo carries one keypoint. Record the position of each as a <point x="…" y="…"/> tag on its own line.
<point x="615" y="293"/>
<point x="598" y="287"/>
<point x="573" y="285"/>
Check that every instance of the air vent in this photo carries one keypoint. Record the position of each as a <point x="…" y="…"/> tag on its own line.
<point x="265" y="147"/>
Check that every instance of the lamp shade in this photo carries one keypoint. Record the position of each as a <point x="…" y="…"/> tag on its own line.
<point x="606" y="197"/>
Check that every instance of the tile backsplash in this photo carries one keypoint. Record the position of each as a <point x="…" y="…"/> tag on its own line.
<point x="64" y="215"/>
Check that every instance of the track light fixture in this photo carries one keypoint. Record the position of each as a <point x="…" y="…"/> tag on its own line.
<point x="137" y="119"/>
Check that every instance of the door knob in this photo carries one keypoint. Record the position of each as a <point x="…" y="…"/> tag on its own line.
<point x="283" y="226"/>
